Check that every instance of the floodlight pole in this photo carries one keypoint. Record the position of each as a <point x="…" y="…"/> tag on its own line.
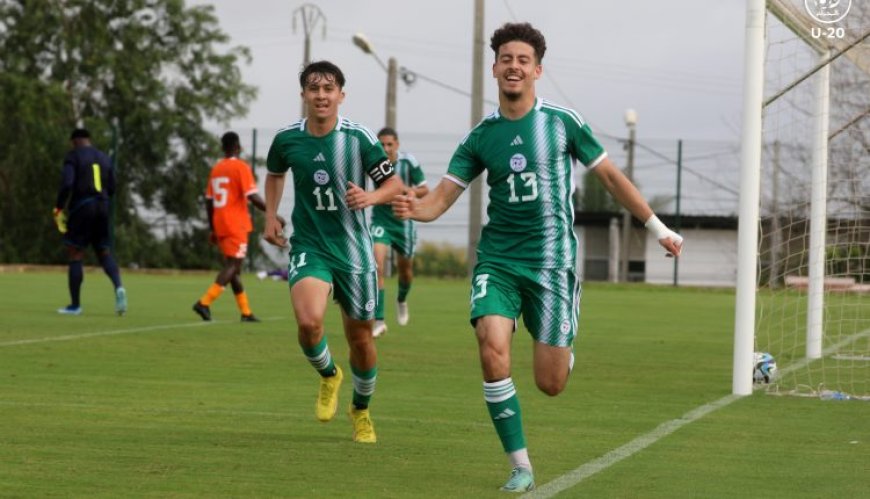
<point x="392" y="81"/>
<point x="631" y="123"/>
<point x="392" y="69"/>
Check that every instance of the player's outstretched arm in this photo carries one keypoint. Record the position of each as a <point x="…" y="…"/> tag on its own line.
<point x="358" y="198"/>
<point x="621" y="188"/>
<point x="409" y="206"/>
<point x="273" y="231"/>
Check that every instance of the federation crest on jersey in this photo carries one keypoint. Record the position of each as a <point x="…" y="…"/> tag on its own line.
<point x="565" y="327"/>
<point x="370" y="305"/>
<point x="321" y="177"/>
<point x="518" y="162"/>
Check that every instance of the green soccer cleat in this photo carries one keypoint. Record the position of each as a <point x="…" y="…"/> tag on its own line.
<point x="521" y="480"/>
<point x="121" y="301"/>
<point x="363" y="429"/>
<point x="327" y="399"/>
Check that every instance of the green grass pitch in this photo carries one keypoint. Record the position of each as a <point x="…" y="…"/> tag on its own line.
<point x="160" y="404"/>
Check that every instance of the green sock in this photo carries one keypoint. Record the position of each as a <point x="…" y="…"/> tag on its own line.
<point x="379" y="309"/>
<point x="363" y="386"/>
<point x="404" y="289"/>
<point x="320" y="358"/>
<point x="504" y="409"/>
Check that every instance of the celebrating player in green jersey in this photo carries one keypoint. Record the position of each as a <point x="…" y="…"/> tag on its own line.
<point x="331" y="248"/>
<point x="389" y="231"/>
<point x="527" y="251"/>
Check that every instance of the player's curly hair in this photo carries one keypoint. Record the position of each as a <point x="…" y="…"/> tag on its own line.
<point x="324" y="68"/>
<point x="519" y="32"/>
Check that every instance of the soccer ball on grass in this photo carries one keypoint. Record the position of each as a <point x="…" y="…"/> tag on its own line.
<point x="764" y="368"/>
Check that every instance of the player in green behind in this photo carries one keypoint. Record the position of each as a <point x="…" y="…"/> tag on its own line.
<point x="527" y="251"/>
<point x="331" y="248"/>
<point x="391" y="232"/>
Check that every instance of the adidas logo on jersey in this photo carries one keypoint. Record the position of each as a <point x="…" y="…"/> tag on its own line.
<point x="504" y="414"/>
<point x="517" y="141"/>
<point x="319" y="157"/>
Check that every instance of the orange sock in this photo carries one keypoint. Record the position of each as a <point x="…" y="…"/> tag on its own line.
<point x="211" y="294"/>
<point x="242" y="302"/>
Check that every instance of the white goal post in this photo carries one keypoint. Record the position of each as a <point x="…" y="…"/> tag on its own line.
<point x="806" y="284"/>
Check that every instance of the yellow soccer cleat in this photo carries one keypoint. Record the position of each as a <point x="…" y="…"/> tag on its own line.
<point x="363" y="429"/>
<point x="327" y="399"/>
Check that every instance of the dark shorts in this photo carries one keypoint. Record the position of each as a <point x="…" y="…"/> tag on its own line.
<point x="88" y="225"/>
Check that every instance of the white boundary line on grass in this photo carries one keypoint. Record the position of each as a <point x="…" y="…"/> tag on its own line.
<point x="585" y="471"/>
<point x="70" y="337"/>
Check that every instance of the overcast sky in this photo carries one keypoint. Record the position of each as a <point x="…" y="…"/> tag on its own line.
<point x="677" y="63"/>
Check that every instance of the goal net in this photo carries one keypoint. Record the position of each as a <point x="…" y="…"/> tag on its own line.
<point x="813" y="301"/>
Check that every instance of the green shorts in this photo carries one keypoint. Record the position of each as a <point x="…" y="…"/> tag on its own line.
<point x="402" y="238"/>
<point x="548" y="299"/>
<point x="357" y="294"/>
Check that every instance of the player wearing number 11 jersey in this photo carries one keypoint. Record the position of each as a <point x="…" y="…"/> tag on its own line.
<point x="527" y="251"/>
<point x="330" y="158"/>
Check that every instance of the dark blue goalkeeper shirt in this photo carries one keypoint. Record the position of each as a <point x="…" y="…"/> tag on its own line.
<point x="87" y="176"/>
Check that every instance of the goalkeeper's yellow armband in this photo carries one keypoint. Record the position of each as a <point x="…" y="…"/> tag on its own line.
<point x="60" y="220"/>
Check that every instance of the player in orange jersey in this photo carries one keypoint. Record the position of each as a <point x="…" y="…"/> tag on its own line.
<point x="230" y="186"/>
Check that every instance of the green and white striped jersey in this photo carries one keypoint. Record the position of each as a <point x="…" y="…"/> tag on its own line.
<point x="408" y="169"/>
<point x="529" y="164"/>
<point x="322" y="167"/>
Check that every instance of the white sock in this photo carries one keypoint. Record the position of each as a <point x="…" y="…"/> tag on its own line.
<point x="520" y="459"/>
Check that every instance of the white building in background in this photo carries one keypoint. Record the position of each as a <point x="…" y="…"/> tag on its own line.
<point x="709" y="258"/>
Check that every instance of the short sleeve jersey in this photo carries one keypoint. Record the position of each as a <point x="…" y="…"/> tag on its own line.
<point x="322" y="167"/>
<point x="408" y="169"/>
<point x="529" y="164"/>
<point x="229" y="185"/>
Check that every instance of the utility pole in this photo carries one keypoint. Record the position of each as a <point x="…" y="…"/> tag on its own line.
<point x="631" y="122"/>
<point x="311" y="15"/>
<point x="475" y="202"/>
<point x="392" y="82"/>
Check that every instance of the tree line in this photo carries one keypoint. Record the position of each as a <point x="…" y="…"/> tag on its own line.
<point x="143" y="76"/>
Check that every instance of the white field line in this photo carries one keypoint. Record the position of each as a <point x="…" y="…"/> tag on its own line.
<point x="585" y="471"/>
<point x="146" y="329"/>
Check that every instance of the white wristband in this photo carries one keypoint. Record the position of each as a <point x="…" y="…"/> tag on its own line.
<point x="661" y="231"/>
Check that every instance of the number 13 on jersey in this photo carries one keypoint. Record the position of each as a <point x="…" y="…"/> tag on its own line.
<point x="524" y="187"/>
